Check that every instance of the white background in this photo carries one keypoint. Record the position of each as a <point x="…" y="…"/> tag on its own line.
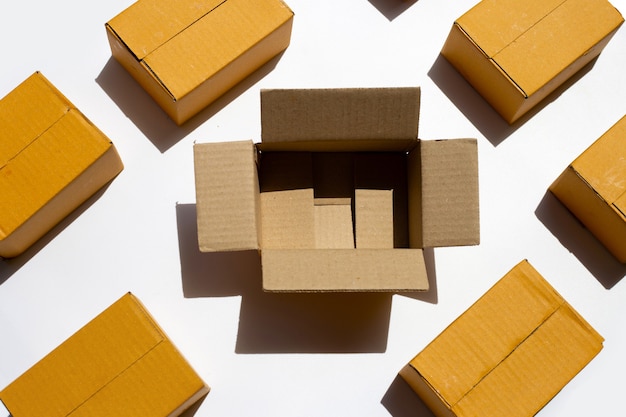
<point x="306" y="355"/>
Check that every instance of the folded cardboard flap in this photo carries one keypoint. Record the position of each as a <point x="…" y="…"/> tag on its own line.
<point x="186" y="54"/>
<point x="49" y="164"/>
<point x="515" y="54"/>
<point x="508" y="354"/>
<point x="120" y="363"/>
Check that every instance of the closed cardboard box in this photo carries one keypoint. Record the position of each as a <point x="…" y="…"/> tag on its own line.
<point x="516" y="52"/>
<point x="340" y="195"/>
<point x="52" y="159"/>
<point x="187" y="53"/>
<point x="593" y="188"/>
<point x="120" y="364"/>
<point x="509" y="354"/>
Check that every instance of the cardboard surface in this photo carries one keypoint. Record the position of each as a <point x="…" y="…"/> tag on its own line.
<point x="120" y="363"/>
<point x="186" y="54"/>
<point x="509" y="354"/>
<point x="515" y="53"/>
<point x="593" y="189"/>
<point x="351" y="203"/>
<point x="52" y="159"/>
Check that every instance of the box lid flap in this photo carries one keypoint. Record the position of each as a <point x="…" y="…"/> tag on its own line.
<point x="227" y="196"/>
<point x="213" y="42"/>
<point x="362" y="114"/>
<point x="148" y="24"/>
<point x="484" y="337"/>
<point x="514" y="34"/>
<point x="18" y="128"/>
<point x="603" y="164"/>
<point x="450" y="208"/>
<point x="96" y="359"/>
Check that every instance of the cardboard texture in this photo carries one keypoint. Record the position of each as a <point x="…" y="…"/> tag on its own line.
<point x="509" y="354"/>
<point x="515" y="53"/>
<point x="52" y="159"/>
<point x="333" y="196"/>
<point x="593" y="188"/>
<point x="186" y="54"/>
<point x="120" y="363"/>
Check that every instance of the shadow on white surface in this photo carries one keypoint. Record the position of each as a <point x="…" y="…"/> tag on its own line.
<point x="579" y="241"/>
<point x="477" y="110"/>
<point x="392" y="8"/>
<point x="401" y="401"/>
<point x="8" y="267"/>
<point x="281" y="322"/>
<point x="150" y="119"/>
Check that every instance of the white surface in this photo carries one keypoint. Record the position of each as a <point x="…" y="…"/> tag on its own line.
<point x="319" y="355"/>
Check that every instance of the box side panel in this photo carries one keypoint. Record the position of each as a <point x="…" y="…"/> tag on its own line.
<point x="450" y="212"/>
<point x="18" y="127"/>
<point x="340" y="114"/>
<point x="536" y="370"/>
<point x="215" y="41"/>
<point x="566" y="35"/>
<point x="56" y="174"/>
<point x="157" y="384"/>
<point x="487" y="332"/>
<point x="318" y="270"/>
<point x="79" y="367"/>
<point x="227" y="196"/>
<point x="494" y="24"/>
<point x="482" y="73"/>
<point x="605" y="223"/>
<point x="148" y="24"/>
<point x="425" y="392"/>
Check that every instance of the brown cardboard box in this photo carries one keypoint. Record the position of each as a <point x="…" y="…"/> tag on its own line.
<point x="120" y="364"/>
<point x="52" y="159"/>
<point x="509" y="354"/>
<point x="340" y="195"/>
<point x="186" y="53"/>
<point x="593" y="188"/>
<point x="515" y="53"/>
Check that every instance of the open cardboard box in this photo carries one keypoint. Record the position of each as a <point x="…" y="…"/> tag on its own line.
<point x="119" y="364"/>
<point x="509" y="354"/>
<point x="340" y="195"/>
<point x="188" y="53"/>
<point x="515" y="53"/>
<point x="593" y="188"/>
<point x="52" y="159"/>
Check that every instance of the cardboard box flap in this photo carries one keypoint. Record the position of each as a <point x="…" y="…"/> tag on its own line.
<point x="35" y="95"/>
<point x="227" y="196"/>
<point x="214" y="42"/>
<point x="148" y="24"/>
<point x="67" y="148"/>
<point x="352" y="114"/>
<point x="450" y="207"/>
<point x="603" y="164"/>
<point x="513" y="35"/>
<point x="495" y="350"/>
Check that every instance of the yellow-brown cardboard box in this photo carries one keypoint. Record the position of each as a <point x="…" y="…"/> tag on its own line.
<point x="120" y="364"/>
<point x="340" y="195"/>
<point x="516" y="52"/>
<point x="593" y="188"/>
<point x="509" y="354"/>
<point x="52" y="159"/>
<point x="187" y="53"/>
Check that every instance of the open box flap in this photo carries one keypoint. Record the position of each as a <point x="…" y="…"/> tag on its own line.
<point x="227" y="196"/>
<point x="330" y="115"/>
<point x="449" y="198"/>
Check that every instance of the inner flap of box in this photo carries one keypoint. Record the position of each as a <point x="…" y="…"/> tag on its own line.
<point x="147" y="24"/>
<point x="351" y="114"/>
<point x="114" y="340"/>
<point x="18" y="129"/>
